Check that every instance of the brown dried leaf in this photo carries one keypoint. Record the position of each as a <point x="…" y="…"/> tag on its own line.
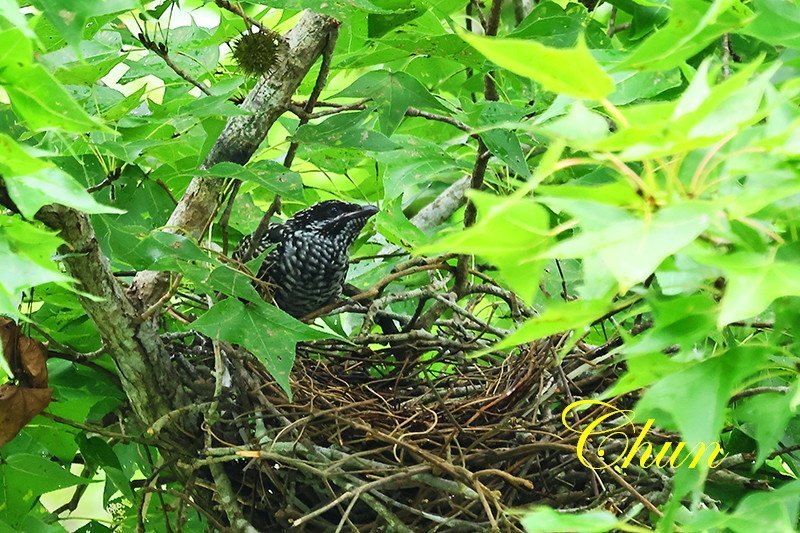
<point x="25" y="356"/>
<point x="34" y="361"/>
<point x="9" y="332"/>
<point x="18" y="406"/>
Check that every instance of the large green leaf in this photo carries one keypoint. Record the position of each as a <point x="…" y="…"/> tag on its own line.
<point x="753" y="282"/>
<point x="500" y="140"/>
<point x="631" y="247"/>
<point x="765" y="417"/>
<point x="268" y="174"/>
<point x="26" y="255"/>
<point x="32" y="182"/>
<point x="703" y="114"/>
<point x="10" y="11"/>
<point x="70" y="18"/>
<point x="394" y="93"/>
<point x="557" y="318"/>
<point x="510" y="232"/>
<point x="39" y="100"/>
<point x="692" y="25"/>
<point x="263" y="329"/>
<point x="776" y="22"/>
<point x="547" y="520"/>
<point x="15" y="48"/>
<point x="570" y="71"/>
<point x="346" y="130"/>
<point x="24" y="477"/>
<point x="693" y="401"/>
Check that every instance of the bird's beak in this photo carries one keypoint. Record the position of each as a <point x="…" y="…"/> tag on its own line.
<point x="365" y="212"/>
<point x="368" y="211"/>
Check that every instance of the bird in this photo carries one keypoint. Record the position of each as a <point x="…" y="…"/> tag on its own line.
<point x="309" y="262"/>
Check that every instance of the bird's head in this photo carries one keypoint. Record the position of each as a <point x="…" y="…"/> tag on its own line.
<point x="333" y="219"/>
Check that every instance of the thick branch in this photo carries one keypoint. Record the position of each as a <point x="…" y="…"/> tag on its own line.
<point x="147" y="377"/>
<point x="239" y="140"/>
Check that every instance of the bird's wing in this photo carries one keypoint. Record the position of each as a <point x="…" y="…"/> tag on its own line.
<point x="273" y="235"/>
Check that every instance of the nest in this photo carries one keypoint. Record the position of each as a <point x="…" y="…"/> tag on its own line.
<point x="407" y="431"/>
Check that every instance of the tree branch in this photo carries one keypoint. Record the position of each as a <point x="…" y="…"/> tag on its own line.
<point x="238" y="141"/>
<point x="147" y="377"/>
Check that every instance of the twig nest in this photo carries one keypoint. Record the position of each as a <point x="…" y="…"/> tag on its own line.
<point x="258" y="53"/>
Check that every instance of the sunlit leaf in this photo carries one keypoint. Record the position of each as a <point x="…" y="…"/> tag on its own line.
<point x="571" y="71"/>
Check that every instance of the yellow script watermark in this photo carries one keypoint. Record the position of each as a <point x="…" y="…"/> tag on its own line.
<point x="628" y="454"/>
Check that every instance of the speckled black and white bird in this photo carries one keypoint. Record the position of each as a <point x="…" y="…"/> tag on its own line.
<point x="309" y="263"/>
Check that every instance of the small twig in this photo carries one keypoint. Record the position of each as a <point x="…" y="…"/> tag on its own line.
<point x="237" y="10"/>
<point x="121" y="437"/>
<point x="414" y="112"/>
<point x="298" y="109"/>
<point x="357" y="491"/>
<point x="261" y="230"/>
<point x="161" y="51"/>
<point x="153" y="309"/>
<point x="319" y="84"/>
<point x="756" y="391"/>
<point x="72" y="504"/>
<point x="227" y="498"/>
<point x="187" y="499"/>
<point x="112" y="176"/>
<point x="224" y="220"/>
<point x="159" y="424"/>
<point x="726" y="56"/>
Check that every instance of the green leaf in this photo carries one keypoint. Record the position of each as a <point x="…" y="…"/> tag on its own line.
<point x="683" y="320"/>
<point x="90" y="70"/>
<point x="570" y="71"/>
<point x="10" y="11"/>
<point x="692" y="25"/>
<point x="557" y="318"/>
<point x="509" y="232"/>
<point x="547" y="520"/>
<point x="580" y="126"/>
<point x="26" y="255"/>
<point x="33" y="183"/>
<point x="777" y="22"/>
<point x="501" y="141"/>
<point x="632" y="86"/>
<point x="753" y="282"/>
<point x="644" y="370"/>
<point x="631" y="247"/>
<point x="703" y="114"/>
<point x="393" y="224"/>
<point x="269" y="333"/>
<point x="774" y="511"/>
<point x="163" y="251"/>
<point x="15" y="48"/>
<point x="39" y="100"/>
<point x="70" y="18"/>
<point x="24" y="477"/>
<point x="765" y="417"/>
<point x="551" y="25"/>
<point x="379" y="24"/>
<point x="394" y="93"/>
<point x="98" y="452"/>
<point x="346" y="130"/>
<point x="268" y="174"/>
<point x="694" y="400"/>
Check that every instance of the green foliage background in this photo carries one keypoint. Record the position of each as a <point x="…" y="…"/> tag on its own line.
<point x="644" y="159"/>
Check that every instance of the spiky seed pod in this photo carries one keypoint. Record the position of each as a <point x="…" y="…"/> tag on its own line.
<point x="258" y="53"/>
